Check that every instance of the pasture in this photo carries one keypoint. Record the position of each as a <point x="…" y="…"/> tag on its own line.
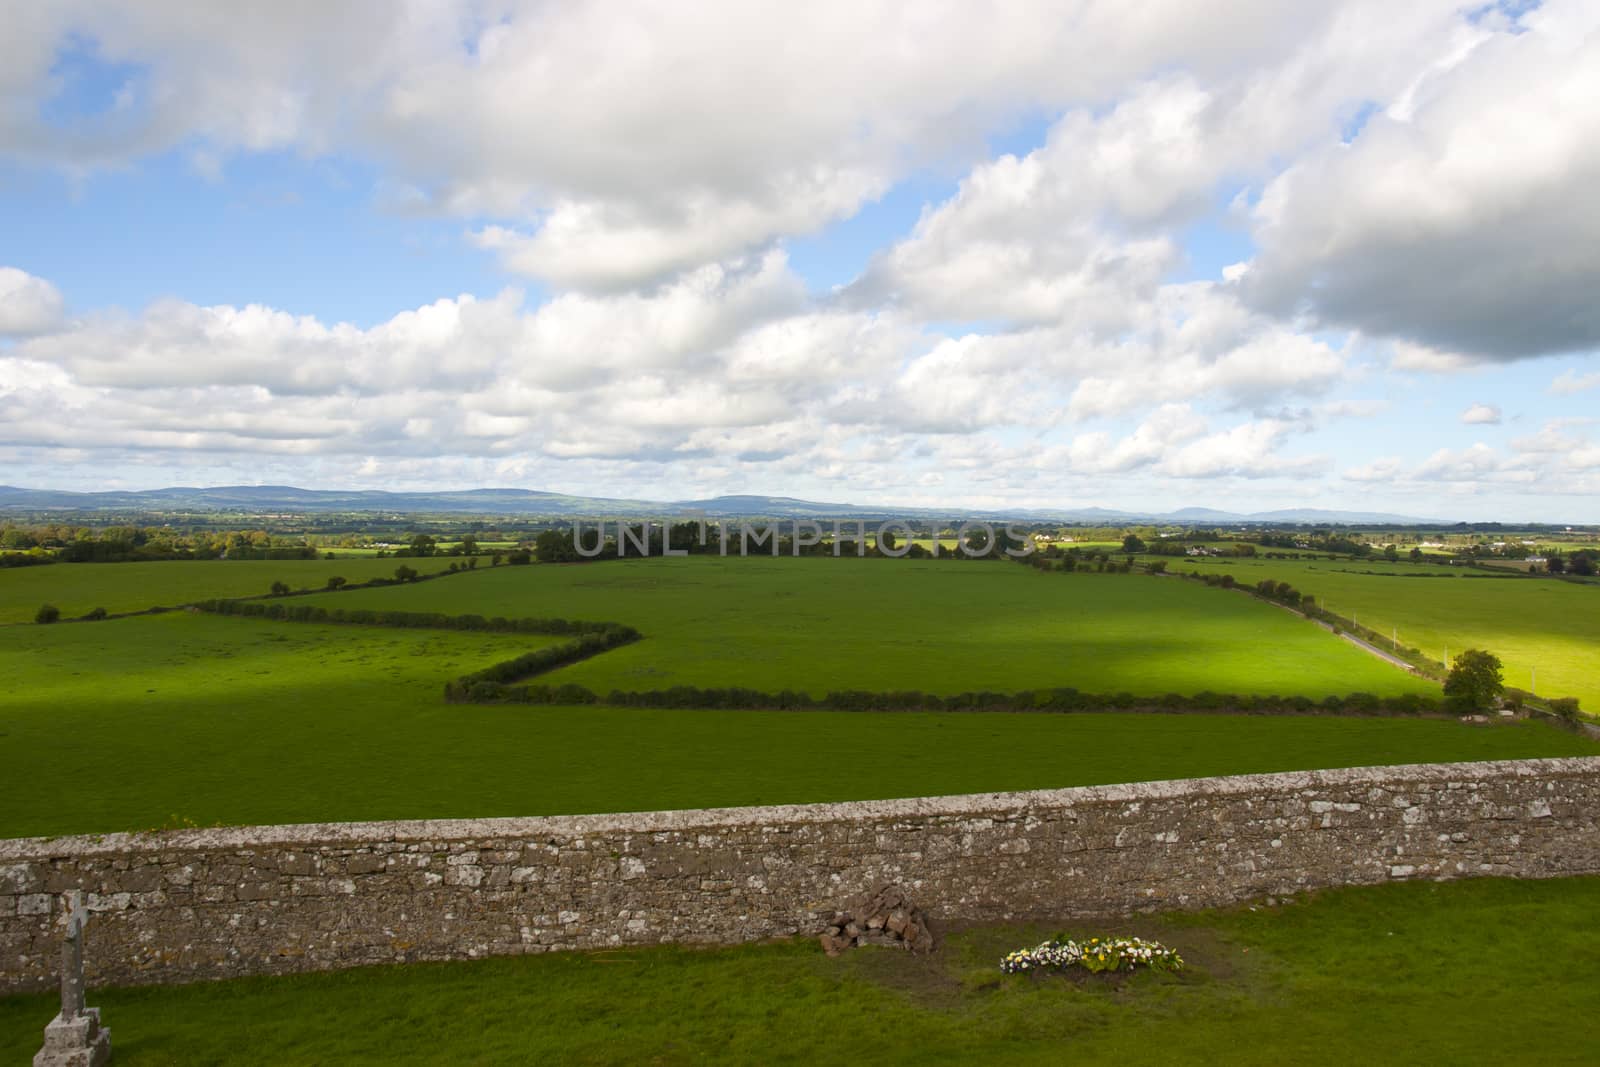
<point x="1532" y="624"/>
<point x="817" y="625"/>
<point x="1480" y="971"/>
<point x="77" y="588"/>
<point x="188" y="719"/>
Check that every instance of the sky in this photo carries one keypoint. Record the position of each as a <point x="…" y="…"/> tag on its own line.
<point x="1245" y="255"/>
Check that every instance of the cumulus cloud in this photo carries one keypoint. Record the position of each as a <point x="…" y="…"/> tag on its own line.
<point x="1426" y="225"/>
<point x="1249" y="450"/>
<point x="28" y="305"/>
<point x="624" y="143"/>
<point x="1413" y="174"/>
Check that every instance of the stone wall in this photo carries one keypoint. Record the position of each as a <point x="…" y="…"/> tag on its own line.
<point x="193" y="904"/>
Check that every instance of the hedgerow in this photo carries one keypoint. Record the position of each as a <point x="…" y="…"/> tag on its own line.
<point x="414" y="620"/>
<point x="479" y="689"/>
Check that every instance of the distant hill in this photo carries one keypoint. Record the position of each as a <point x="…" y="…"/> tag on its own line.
<point x="257" y="499"/>
<point x="288" y="499"/>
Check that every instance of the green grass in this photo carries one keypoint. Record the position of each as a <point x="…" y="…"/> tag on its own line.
<point x="882" y="624"/>
<point x="77" y="588"/>
<point x="1484" y="971"/>
<point x="1530" y="623"/>
<point x="178" y="718"/>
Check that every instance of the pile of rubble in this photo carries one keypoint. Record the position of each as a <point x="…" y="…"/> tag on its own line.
<point x="886" y="917"/>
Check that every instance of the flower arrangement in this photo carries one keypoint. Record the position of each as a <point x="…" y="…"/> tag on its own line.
<point x="1097" y="955"/>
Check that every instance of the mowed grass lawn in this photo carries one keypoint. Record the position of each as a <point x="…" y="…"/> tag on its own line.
<point x="1530" y="623"/>
<point x="78" y="588"/>
<point x="183" y="718"/>
<point x="1482" y="971"/>
<point x="882" y="624"/>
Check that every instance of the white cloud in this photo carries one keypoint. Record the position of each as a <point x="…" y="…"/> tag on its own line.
<point x="1461" y="465"/>
<point x="1462" y="220"/>
<point x="1386" y="469"/>
<point x="1569" y="382"/>
<point x="28" y="305"/>
<point x="1249" y="450"/>
<point x="648" y="161"/>
<point x="628" y="142"/>
<point x="1408" y="356"/>
<point x="1167" y="427"/>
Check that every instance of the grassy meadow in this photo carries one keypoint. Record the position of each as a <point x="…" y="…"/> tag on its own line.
<point x="881" y="624"/>
<point x="1482" y="971"/>
<point x="78" y="588"/>
<point x="189" y="719"/>
<point x="1530" y="623"/>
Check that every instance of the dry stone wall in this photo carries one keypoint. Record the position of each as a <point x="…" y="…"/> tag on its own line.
<point x="192" y="904"/>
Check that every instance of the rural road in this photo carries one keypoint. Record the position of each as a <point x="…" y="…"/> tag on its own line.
<point x="1354" y="640"/>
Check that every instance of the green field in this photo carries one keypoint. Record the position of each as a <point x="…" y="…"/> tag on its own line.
<point x="183" y="718"/>
<point x="77" y="588"/>
<point x="187" y="718"/>
<point x="1482" y="971"/>
<point x="1530" y="623"/>
<point x="940" y="627"/>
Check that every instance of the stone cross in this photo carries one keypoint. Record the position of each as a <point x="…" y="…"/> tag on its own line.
<point x="73" y="916"/>
<point x="74" y="1038"/>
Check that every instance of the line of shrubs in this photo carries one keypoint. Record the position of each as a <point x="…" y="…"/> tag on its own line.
<point x="1041" y="700"/>
<point x="485" y="686"/>
<point x="417" y="620"/>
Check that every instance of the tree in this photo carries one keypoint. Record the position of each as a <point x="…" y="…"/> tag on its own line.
<point x="280" y="588"/>
<point x="1554" y="562"/>
<point x="1416" y="555"/>
<point x="1474" y="683"/>
<point x="405" y="574"/>
<point x="423" y="545"/>
<point x="47" y="613"/>
<point x="1132" y="544"/>
<point x="335" y="582"/>
<point x="556" y="546"/>
<point x="1391" y="553"/>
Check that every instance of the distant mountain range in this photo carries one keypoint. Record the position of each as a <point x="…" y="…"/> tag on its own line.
<point x="286" y="499"/>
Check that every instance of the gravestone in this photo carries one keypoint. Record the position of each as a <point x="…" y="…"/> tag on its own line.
<point x="74" y="1038"/>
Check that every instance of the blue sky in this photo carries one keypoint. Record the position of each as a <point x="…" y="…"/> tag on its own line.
<point x="1231" y="257"/>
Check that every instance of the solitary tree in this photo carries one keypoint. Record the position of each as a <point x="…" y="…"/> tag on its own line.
<point x="1132" y="543"/>
<point x="280" y="588"/>
<point x="1474" y="683"/>
<point x="47" y="613"/>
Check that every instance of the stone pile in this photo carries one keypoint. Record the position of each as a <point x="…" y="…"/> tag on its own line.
<point x="886" y="917"/>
